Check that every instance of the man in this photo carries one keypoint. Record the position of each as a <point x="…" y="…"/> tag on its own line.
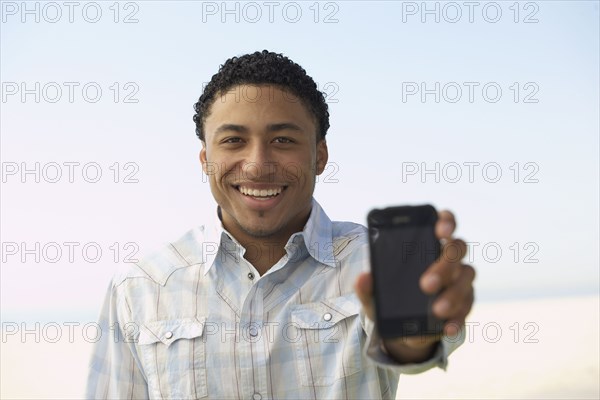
<point x="269" y="301"/>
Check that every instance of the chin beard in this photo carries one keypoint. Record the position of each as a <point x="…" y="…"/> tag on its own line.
<point x="258" y="233"/>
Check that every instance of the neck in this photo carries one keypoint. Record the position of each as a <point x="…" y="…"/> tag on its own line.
<point x="265" y="251"/>
<point x="263" y="255"/>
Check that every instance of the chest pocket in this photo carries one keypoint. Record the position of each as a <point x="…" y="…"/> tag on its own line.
<point x="329" y="337"/>
<point x="174" y="359"/>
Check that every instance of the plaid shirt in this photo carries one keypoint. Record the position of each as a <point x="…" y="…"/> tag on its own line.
<point x="196" y="320"/>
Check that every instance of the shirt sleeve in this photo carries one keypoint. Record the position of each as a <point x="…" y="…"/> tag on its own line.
<point x="114" y="370"/>
<point x="439" y="359"/>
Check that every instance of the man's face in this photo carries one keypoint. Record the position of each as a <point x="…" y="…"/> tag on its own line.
<point x="261" y="155"/>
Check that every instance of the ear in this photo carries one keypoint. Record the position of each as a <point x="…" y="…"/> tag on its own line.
<point x="203" y="157"/>
<point x="322" y="156"/>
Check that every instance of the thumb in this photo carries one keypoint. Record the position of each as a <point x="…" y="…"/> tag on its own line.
<point x="364" y="291"/>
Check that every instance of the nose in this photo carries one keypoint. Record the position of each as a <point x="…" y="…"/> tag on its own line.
<point x="258" y="164"/>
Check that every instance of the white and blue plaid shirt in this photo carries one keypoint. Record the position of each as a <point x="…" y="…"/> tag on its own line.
<point x="196" y="320"/>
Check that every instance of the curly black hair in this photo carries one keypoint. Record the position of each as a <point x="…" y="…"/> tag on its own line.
<point x="263" y="68"/>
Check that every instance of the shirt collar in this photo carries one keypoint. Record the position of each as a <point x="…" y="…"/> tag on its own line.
<point x="317" y="235"/>
<point x="213" y="237"/>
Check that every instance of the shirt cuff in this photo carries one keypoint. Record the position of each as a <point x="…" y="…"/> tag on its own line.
<point x="439" y="359"/>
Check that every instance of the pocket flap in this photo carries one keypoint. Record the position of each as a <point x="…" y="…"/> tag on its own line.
<point x="168" y="331"/>
<point x="326" y="313"/>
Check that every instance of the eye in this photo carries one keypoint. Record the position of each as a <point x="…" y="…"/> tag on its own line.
<point x="233" y="139"/>
<point x="283" y="140"/>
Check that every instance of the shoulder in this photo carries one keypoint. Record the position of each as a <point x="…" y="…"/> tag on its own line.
<point x="160" y="263"/>
<point x="348" y="238"/>
<point x="345" y="229"/>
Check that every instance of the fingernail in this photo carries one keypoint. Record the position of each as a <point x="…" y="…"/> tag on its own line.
<point x="441" y="307"/>
<point x="446" y="228"/>
<point x="432" y="282"/>
<point x="451" y="330"/>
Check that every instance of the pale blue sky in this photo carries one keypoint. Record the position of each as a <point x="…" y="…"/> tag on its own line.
<point x="366" y="56"/>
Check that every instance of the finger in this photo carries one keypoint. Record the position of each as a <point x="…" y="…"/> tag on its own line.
<point x="459" y="322"/>
<point x="364" y="287"/>
<point x="456" y="299"/>
<point x="364" y="291"/>
<point x="445" y="225"/>
<point x="413" y="342"/>
<point x="454" y="326"/>
<point x="445" y="269"/>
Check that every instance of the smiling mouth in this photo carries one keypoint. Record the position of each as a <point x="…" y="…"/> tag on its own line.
<point x="260" y="194"/>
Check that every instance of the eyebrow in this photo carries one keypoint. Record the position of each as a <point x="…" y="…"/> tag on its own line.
<point x="283" y="126"/>
<point x="270" y="128"/>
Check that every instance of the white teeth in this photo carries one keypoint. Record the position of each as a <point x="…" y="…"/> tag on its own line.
<point x="260" y="192"/>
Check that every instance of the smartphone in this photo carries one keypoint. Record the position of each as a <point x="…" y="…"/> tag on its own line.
<point x="403" y="245"/>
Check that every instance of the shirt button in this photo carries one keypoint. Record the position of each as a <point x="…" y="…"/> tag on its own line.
<point x="327" y="317"/>
<point x="250" y="275"/>
<point x="169" y="335"/>
<point x="256" y="396"/>
<point x="253" y="332"/>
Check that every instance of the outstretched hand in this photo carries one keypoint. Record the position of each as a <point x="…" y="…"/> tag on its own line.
<point x="447" y="276"/>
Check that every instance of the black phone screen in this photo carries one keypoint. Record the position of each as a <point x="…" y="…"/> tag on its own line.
<point x="402" y="255"/>
<point x="403" y="245"/>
